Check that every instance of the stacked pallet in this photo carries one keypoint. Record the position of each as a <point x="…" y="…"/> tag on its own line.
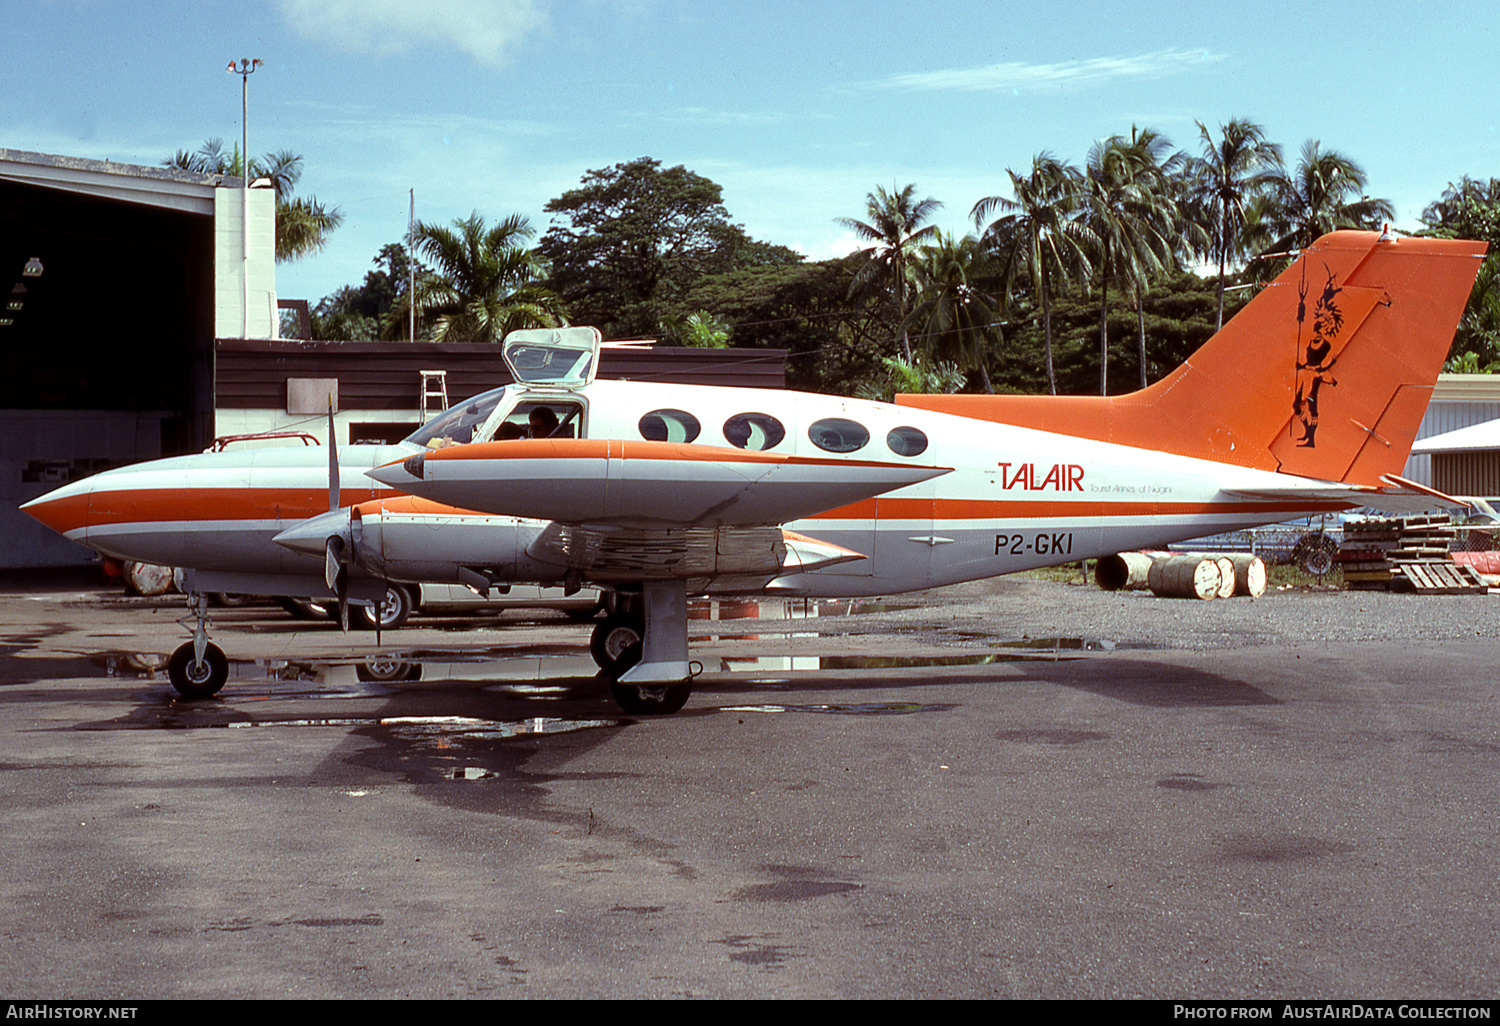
<point x="1406" y="554"/>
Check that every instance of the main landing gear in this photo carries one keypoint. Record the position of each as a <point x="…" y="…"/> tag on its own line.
<point x="642" y="650"/>
<point x="199" y="668"/>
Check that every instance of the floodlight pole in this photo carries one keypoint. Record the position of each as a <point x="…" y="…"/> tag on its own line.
<point x="245" y="69"/>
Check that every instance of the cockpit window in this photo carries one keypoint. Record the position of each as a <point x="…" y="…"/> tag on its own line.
<point x="753" y="431"/>
<point x="836" y="434"/>
<point x="456" y="425"/>
<point x="669" y="426"/>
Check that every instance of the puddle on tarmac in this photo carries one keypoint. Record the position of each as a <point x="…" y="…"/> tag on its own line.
<point x="859" y="709"/>
<point x="527" y="671"/>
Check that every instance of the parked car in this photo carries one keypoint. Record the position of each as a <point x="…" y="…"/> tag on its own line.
<point x="404" y="599"/>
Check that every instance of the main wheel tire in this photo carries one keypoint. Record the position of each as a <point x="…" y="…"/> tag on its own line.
<point x="613" y="635"/>
<point x="393" y="610"/>
<point x="193" y="679"/>
<point x="303" y="609"/>
<point x="651" y="700"/>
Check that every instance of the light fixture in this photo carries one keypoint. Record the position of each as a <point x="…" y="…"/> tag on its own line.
<point x="33" y="268"/>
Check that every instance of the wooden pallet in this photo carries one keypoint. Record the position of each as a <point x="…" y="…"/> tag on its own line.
<point x="1434" y="578"/>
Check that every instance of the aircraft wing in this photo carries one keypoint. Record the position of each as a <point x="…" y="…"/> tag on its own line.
<point x="643" y="485"/>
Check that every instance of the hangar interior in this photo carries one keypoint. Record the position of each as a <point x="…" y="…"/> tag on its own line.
<point x="107" y="335"/>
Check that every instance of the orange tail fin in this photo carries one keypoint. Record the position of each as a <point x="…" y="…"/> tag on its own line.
<point x="1326" y="373"/>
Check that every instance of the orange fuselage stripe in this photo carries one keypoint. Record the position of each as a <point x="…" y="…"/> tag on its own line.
<point x="218" y="504"/>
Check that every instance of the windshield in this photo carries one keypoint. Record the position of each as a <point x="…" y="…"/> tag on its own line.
<point x="457" y="425"/>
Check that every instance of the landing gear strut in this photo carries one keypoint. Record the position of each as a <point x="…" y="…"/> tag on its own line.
<point x="199" y="668"/>
<point x="642" y="650"/>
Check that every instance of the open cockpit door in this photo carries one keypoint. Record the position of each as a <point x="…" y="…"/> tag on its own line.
<point x="557" y="357"/>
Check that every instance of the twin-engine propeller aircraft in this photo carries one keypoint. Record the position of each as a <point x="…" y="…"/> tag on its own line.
<point x="1305" y="402"/>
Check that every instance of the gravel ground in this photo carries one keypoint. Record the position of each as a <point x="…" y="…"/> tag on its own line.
<point x="1010" y="609"/>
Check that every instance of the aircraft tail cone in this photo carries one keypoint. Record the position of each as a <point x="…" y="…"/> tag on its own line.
<point x="805" y="554"/>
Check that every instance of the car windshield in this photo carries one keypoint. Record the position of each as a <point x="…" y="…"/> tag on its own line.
<point x="457" y="425"/>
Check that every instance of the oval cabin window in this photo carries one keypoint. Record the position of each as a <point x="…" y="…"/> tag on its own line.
<point x="669" y="426"/>
<point x="836" y="434"/>
<point x="753" y="431"/>
<point x="906" y="441"/>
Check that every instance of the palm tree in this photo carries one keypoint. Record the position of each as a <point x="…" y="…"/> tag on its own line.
<point x="896" y="228"/>
<point x="954" y="319"/>
<point x="1233" y="170"/>
<point x="302" y="225"/>
<point x="1471" y="210"/>
<point x="1323" y="194"/>
<point x="1130" y="213"/>
<point x="1039" y="237"/>
<point x="485" y="283"/>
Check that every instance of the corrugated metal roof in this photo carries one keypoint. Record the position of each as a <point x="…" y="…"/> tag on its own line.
<point x="1475" y="438"/>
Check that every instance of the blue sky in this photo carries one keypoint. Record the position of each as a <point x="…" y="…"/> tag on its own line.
<point x="798" y="109"/>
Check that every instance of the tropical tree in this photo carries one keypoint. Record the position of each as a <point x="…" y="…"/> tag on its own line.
<point x="484" y="281"/>
<point x="1130" y="213"/>
<point x="1325" y="192"/>
<point x="303" y="224"/>
<point x="1037" y="238"/>
<point x="627" y="245"/>
<point x="897" y="226"/>
<point x="955" y="320"/>
<point x="1471" y="210"/>
<point x="1234" y="169"/>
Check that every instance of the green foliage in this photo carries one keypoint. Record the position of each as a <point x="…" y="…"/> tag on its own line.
<point x="913" y="378"/>
<point x="302" y="224"/>
<point x="895" y="230"/>
<point x="484" y="282"/>
<point x="373" y="310"/>
<point x="803" y="308"/>
<point x="1471" y="210"/>
<point x="634" y="238"/>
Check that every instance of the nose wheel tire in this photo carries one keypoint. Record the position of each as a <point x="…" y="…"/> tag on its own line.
<point x="194" y="679"/>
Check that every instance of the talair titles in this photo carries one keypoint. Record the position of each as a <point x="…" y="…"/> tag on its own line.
<point x="1062" y="477"/>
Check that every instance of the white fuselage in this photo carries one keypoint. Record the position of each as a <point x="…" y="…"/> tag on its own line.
<point x="1010" y="498"/>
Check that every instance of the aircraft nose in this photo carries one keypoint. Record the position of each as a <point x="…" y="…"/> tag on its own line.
<point x="65" y="509"/>
<point x="400" y="473"/>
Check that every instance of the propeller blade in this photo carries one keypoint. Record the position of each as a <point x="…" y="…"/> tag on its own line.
<point x="333" y="463"/>
<point x="333" y="561"/>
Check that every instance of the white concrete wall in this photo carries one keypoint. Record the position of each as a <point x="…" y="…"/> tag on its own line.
<point x="231" y="268"/>
<point x="251" y="422"/>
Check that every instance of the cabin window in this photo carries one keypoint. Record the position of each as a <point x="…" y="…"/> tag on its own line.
<point x="669" y="426"/>
<point x="753" y="431"/>
<point x="835" y="434"/>
<point x="906" y="441"/>
<point x="531" y="419"/>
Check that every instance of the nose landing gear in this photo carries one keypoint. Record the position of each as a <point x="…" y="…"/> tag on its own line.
<point x="199" y="668"/>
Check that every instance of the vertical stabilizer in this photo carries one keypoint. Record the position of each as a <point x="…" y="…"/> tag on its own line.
<point x="1326" y="373"/>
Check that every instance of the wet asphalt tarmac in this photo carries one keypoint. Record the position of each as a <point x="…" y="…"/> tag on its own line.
<point x="1173" y="800"/>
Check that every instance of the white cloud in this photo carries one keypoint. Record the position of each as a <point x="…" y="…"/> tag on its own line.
<point x="1016" y="76"/>
<point x="486" y="30"/>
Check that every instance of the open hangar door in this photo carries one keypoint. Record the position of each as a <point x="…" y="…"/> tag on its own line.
<point x="106" y="339"/>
